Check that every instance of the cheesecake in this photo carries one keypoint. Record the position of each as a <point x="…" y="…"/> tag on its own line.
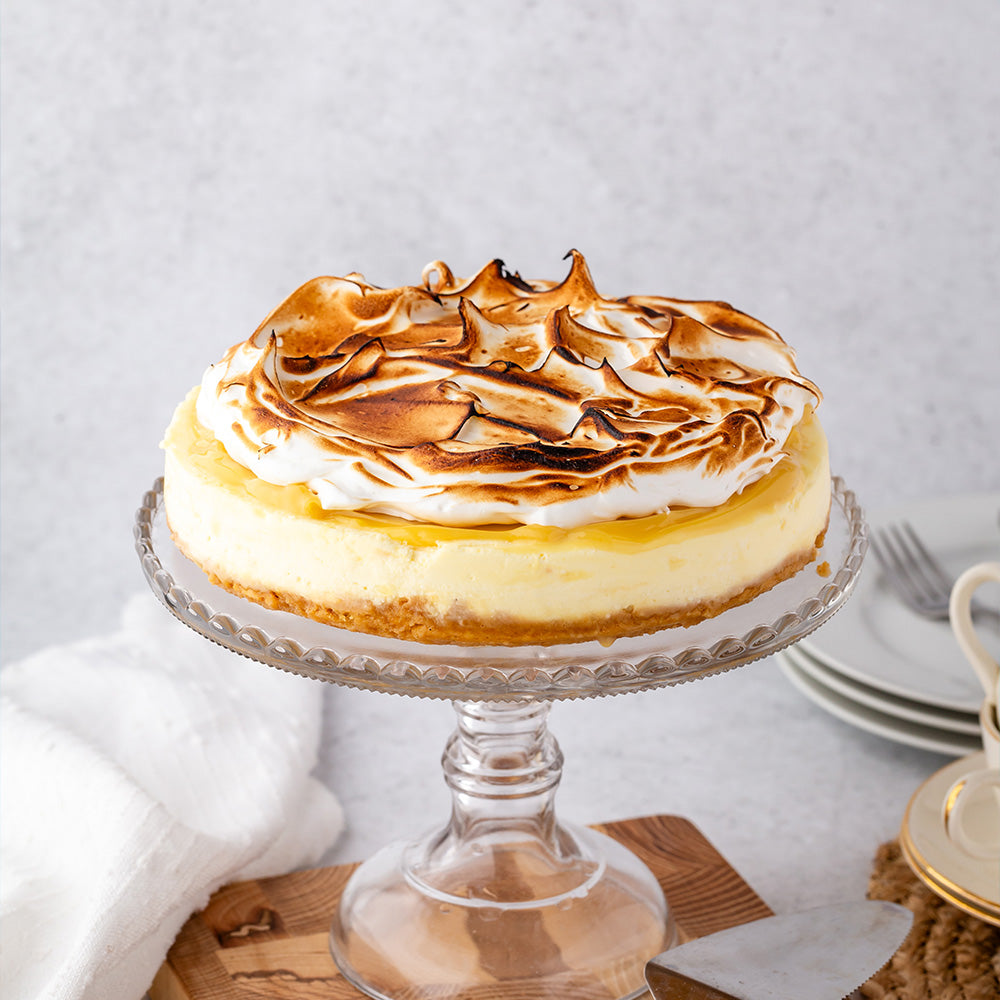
<point x="498" y="461"/>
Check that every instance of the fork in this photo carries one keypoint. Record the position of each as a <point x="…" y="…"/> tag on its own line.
<point x="918" y="579"/>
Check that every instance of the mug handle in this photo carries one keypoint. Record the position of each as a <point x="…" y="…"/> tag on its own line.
<point x="953" y="809"/>
<point x="960" y="613"/>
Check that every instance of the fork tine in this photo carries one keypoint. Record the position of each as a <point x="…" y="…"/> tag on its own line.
<point x="924" y="585"/>
<point x="886" y="552"/>
<point x="932" y="566"/>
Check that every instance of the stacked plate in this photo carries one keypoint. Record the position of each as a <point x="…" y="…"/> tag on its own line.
<point x="883" y="668"/>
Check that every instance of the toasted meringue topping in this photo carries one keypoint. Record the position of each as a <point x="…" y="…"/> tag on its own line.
<point x="501" y="401"/>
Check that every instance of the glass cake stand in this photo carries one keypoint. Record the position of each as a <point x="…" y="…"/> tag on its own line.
<point x="504" y="901"/>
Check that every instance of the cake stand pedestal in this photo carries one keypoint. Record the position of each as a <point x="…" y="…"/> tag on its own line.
<point x="504" y="901"/>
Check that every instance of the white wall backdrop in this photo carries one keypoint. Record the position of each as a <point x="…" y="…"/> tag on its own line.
<point x="171" y="170"/>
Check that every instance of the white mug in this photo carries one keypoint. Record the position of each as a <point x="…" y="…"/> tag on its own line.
<point x="979" y="789"/>
<point x="960" y="612"/>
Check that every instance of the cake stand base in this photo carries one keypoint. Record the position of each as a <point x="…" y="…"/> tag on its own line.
<point x="592" y="941"/>
<point x="504" y="902"/>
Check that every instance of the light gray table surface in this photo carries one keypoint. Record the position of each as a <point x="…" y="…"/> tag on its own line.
<point x="172" y="171"/>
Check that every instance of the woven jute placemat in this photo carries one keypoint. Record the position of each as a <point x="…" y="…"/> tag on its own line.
<point x="948" y="955"/>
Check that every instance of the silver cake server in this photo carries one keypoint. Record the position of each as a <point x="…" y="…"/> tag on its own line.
<point x="819" y="954"/>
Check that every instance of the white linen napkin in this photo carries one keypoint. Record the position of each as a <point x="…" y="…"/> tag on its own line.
<point x="139" y="772"/>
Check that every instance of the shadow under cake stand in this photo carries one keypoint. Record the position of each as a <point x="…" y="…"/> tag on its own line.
<point x="504" y="901"/>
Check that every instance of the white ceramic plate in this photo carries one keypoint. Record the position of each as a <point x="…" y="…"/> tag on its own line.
<point x="880" y="723"/>
<point x="889" y="704"/>
<point x="970" y="883"/>
<point x="876" y="640"/>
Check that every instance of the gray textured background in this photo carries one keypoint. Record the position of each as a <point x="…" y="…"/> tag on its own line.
<point x="171" y="170"/>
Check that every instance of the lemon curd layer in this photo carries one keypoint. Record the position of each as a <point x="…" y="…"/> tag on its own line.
<point x="505" y="584"/>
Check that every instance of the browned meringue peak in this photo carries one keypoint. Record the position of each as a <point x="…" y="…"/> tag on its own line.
<point x="499" y="400"/>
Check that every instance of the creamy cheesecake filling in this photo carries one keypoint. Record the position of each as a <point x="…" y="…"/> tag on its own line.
<point x="490" y="585"/>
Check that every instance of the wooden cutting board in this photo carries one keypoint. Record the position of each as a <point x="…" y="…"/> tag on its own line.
<point x="267" y="938"/>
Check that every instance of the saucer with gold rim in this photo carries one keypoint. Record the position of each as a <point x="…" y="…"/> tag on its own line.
<point x="971" y="884"/>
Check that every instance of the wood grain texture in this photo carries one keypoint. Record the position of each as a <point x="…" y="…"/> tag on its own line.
<point x="267" y="938"/>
